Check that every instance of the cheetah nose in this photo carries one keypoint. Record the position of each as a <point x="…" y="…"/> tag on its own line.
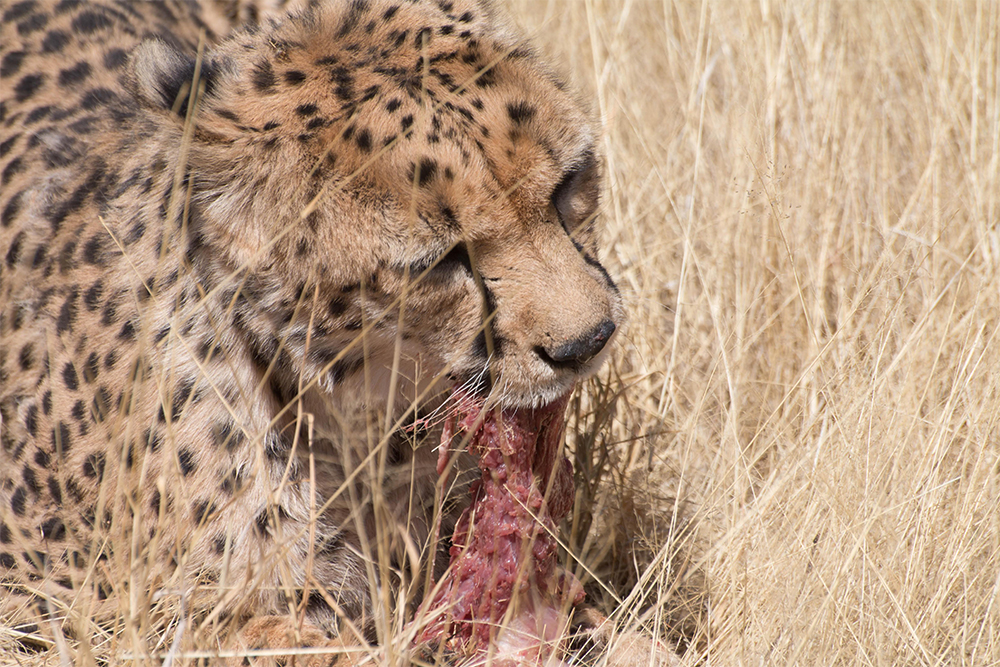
<point x="582" y="349"/>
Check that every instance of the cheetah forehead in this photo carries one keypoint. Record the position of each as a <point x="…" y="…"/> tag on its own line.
<point x="405" y="93"/>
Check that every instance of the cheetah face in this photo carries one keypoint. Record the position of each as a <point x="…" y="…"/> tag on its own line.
<point x="434" y="198"/>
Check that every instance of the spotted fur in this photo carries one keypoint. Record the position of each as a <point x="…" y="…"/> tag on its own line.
<point x="232" y="264"/>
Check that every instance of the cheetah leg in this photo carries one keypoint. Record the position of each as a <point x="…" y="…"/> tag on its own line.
<point x="269" y="633"/>
<point x="603" y="645"/>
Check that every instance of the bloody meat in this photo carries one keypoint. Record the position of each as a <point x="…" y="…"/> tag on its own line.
<point x="504" y="594"/>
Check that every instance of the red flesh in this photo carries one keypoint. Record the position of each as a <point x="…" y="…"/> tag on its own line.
<point x="503" y="571"/>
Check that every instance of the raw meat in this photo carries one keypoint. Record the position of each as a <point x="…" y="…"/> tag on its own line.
<point x="504" y="598"/>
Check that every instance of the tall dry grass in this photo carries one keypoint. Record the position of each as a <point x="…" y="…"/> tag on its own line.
<point x="793" y="458"/>
<point x="802" y="210"/>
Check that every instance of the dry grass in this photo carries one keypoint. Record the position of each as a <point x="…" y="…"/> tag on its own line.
<point x="793" y="459"/>
<point x="803" y="212"/>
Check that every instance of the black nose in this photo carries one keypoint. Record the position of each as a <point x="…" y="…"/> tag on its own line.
<point x="582" y="349"/>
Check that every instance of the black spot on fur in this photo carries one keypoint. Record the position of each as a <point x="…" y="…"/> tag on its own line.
<point x="127" y="332"/>
<point x="30" y="481"/>
<point x="93" y="251"/>
<point x="25" y="358"/>
<point x="31" y="420"/>
<point x="33" y="23"/>
<point x="5" y="146"/>
<point x="261" y="523"/>
<point x="424" y="172"/>
<point x="520" y="113"/>
<point x="85" y="125"/>
<point x="227" y="435"/>
<point x="17" y="501"/>
<point x="109" y="314"/>
<point x="72" y="76"/>
<point x="53" y="529"/>
<point x="93" y="465"/>
<point x="306" y="109"/>
<point x="39" y="258"/>
<point x="54" y="41"/>
<point x="364" y="141"/>
<point x="19" y="10"/>
<point x="344" y="88"/>
<point x="69" y="377"/>
<point x="66" y="256"/>
<point x="91" y="21"/>
<point x="36" y="115"/>
<point x="337" y="306"/>
<point x="487" y="78"/>
<point x="54" y="489"/>
<point x="67" y="314"/>
<point x="11" y="210"/>
<point x="153" y="440"/>
<point x="115" y="59"/>
<point x="136" y="232"/>
<point x="92" y="368"/>
<point x="101" y="404"/>
<point x="202" y="509"/>
<point x="263" y="77"/>
<point x="13" y="168"/>
<point x="180" y="397"/>
<point x="187" y="461"/>
<point x="164" y="331"/>
<point x="11" y="63"/>
<point x="423" y="36"/>
<point x="294" y="77"/>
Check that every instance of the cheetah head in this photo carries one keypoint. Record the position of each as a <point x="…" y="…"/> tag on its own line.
<point x="426" y="204"/>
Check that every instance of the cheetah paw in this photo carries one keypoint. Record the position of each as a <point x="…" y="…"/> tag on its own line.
<point x="260" y="641"/>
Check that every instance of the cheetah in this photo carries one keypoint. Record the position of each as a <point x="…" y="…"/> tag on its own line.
<point x="239" y="266"/>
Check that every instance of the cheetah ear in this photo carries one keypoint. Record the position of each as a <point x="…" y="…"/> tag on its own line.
<point x="161" y="76"/>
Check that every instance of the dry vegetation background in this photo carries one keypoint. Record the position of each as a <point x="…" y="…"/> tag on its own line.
<point x="793" y="458"/>
<point x="802" y="210"/>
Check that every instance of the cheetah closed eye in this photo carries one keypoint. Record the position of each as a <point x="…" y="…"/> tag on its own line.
<point x="236" y="264"/>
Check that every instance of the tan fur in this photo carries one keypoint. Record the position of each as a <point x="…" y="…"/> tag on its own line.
<point x="198" y="315"/>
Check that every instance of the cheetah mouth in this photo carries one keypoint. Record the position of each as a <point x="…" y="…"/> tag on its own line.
<point x="492" y="391"/>
<point x="503" y="589"/>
